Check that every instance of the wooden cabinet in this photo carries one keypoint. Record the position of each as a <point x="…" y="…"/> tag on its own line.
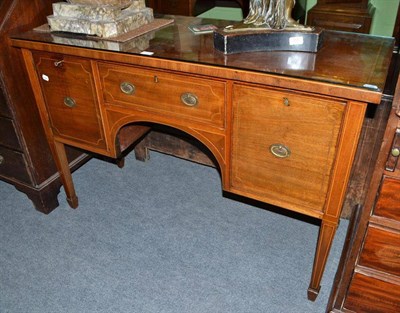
<point x="352" y="16"/>
<point x="25" y="156"/>
<point x="368" y="279"/>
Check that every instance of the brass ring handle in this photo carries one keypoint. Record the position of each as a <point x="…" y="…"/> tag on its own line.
<point x="127" y="88"/>
<point x="189" y="99"/>
<point x="69" y="102"/>
<point x="280" y="150"/>
<point x="1" y="159"/>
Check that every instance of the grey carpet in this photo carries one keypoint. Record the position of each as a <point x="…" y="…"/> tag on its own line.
<point x="155" y="237"/>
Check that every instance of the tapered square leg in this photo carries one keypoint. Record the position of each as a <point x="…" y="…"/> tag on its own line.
<point x="325" y="239"/>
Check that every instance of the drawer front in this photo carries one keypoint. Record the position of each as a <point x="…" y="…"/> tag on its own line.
<point x="389" y="199"/>
<point x="165" y="94"/>
<point x="368" y="294"/>
<point x="284" y="145"/>
<point x="8" y="136"/>
<point x="68" y="87"/>
<point x="381" y="251"/>
<point x="13" y="165"/>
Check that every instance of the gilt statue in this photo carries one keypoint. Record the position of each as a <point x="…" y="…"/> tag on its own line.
<point x="269" y="14"/>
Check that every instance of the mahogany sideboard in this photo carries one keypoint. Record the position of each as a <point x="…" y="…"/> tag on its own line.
<point x="283" y="127"/>
<point x="25" y="157"/>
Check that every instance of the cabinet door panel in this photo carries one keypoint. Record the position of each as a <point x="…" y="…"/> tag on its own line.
<point x="68" y="88"/>
<point x="268" y="121"/>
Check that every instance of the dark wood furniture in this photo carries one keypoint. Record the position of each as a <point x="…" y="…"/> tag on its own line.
<point x="193" y="7"/>
<point x="25" y="157"/>
<point x="368" y="279"/>
<point x="176" y="7"/>
<point x="283" y="127"/>
<point x="346" y="15"/>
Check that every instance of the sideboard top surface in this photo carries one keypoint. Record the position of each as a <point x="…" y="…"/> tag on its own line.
<point x="345" y="59"/>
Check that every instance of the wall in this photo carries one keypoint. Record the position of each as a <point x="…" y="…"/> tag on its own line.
<point x="223" y="13"/>
<point x="385" y="17"/>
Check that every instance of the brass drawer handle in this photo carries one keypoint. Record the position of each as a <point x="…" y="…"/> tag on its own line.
<point x="127" y="88"/>
<point x="280" y="150"/>
<point x="69" y="102"/>
<point x="1" y="159"/>
<point x="189" y="99"/>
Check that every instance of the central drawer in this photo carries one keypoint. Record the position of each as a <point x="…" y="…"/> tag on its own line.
<point x="178" y="96"/>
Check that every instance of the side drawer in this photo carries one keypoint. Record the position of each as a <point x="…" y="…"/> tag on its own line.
<point x="8" y="136"/>
<point x="381" y="251"/>
<point x="71" y="100"/>
<point x="13" y="165"/>
<point x="178" y="96"/>
<point x="368" y="294"/>
<point x="284" y="146"/>
<point x="388" y="204"/>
